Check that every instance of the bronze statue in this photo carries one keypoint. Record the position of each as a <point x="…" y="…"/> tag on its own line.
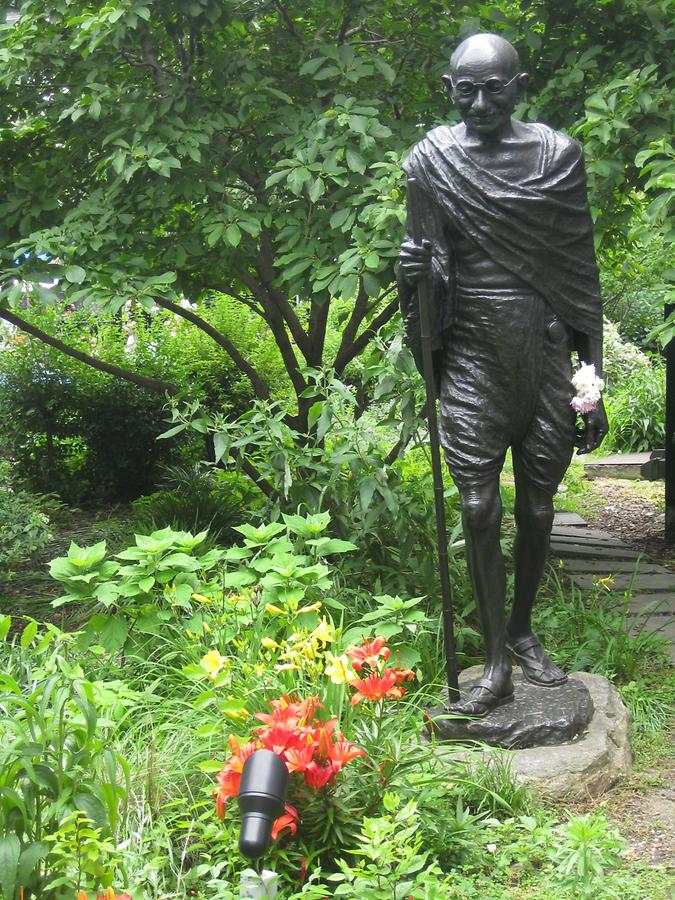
<point x="508" y="252"/>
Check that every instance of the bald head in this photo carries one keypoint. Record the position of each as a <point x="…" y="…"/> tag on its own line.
<point x="486" y="48"/>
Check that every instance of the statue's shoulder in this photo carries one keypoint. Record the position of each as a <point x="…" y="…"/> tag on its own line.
<point x="440" y="139"/>
<point x="557" y="145"/>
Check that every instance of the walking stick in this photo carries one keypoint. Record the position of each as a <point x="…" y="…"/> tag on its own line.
<point x="425" y="299"/>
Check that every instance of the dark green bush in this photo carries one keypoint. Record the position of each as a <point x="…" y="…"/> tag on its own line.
<point x="197" y="497"/>
<point x="85" y="435"/>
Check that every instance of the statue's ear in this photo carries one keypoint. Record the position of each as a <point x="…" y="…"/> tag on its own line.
<point x="447" y="81"/>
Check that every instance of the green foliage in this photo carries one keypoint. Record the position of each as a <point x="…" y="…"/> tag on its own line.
<point x="73" y="430"/>
<point x="199" y="497"/>
<point x="348" y="466"/>
<point x="391" y="861"/>
<point x="589" y="851"/>
<point x="621" y="358"/>
<point x="592" y="632"/>
<point x="78" y="855"/>
<point x="636" y="410"/>
<point x="55" y="760"/>
<point x="152" y="591"/>
<point x="254" y="152"/>
<point x="24" y="526"/>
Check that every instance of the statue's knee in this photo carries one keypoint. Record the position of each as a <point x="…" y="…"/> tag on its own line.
<point x="535" y="517"/>
<point x="481" y="512"/>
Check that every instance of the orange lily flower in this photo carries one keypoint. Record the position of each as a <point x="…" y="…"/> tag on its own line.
<point x="375" y="687"/>
<point x="289" y="819"/>
<point x="369" y="653"/>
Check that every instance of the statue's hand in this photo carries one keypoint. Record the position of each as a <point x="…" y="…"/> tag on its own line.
<point x="594" y="430"/>
<point x="415" y="260"/>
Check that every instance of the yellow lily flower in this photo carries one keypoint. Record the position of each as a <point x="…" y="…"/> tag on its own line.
<point x="338" y="669"/>
<point x="315" y="607"/>
<point x="274" y="610"/>
<point x="323" y="633"/>
<point x="213" y="663"/>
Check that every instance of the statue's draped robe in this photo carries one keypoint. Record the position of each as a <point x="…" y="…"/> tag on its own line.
<point x="538" y="228"/>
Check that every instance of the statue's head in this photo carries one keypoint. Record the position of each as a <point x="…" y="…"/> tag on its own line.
<point x="485" y="82"/>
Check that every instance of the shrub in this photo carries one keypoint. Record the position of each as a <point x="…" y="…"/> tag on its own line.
<point x="636" y="410"/>
<point x="199" y="497"/>
<point x="75" y="431"/>
<point x="621" y="357"/>
<point x="24" y="527"/>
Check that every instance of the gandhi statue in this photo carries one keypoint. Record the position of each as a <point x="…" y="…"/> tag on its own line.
<point x="508" y="250"/>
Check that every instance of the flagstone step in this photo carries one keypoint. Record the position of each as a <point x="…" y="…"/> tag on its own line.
<point x="590" y="555"/>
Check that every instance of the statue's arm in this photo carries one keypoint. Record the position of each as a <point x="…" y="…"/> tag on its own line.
<point x="428" y="258"/>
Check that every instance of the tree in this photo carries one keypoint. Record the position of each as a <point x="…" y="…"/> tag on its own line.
<point x="160" y="152"/>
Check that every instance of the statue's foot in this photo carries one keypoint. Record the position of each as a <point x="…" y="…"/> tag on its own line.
<point x="536" y="665"/>
<point x="481" y="698"/>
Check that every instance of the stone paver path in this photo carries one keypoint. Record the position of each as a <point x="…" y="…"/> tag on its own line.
<point x="590" y="554"/>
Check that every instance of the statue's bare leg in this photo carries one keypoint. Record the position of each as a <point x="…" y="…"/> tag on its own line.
<point x="481" y="516"/>
<point x="534" y="519"/>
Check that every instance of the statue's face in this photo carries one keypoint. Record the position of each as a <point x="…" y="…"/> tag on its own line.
<point x="485" y="88"/>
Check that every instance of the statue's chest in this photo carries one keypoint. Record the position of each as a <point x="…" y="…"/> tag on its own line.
<point x="515" y="163"/>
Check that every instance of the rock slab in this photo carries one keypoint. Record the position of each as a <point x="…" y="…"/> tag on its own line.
<point x="578" y="769"/>
<point x="537" y="716"/>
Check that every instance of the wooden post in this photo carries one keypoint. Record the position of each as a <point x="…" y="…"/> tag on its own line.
<point x="670" y="434"/>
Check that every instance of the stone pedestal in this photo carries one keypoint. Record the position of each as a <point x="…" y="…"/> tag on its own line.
<point x="579" y="768"/>
<point x="537" y="716"/>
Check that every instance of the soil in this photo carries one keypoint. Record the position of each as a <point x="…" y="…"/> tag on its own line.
<point x="646" y="818"/>
<point x="633" y="511"/>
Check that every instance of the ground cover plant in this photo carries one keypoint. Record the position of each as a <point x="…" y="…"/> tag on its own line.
<point x="129" y="735"/>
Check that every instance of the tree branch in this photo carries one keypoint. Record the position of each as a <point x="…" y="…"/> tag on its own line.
<point x="259" y="384"/>
<point x="318" y="318"/>
<point x="265" y="269"/>
<point x="349" y="353"/>
<point x="276" y="322"/>
<point x="290" y="26"/>
<point x="150" y="60"/>
<point x="253" y="473"/>
<point x="144" y="381"/>
<point x="357" y="316"/>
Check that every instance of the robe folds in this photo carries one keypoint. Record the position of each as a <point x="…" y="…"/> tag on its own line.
<point x="537" y="227"/>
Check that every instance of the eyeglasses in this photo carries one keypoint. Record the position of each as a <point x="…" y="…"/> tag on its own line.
<point x="467" y="88"/>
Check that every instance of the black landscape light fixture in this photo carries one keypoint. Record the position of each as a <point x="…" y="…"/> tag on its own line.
<point x="262" y="794"/>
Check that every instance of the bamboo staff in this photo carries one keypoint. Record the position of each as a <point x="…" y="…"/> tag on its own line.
<point x="425" y="299"/>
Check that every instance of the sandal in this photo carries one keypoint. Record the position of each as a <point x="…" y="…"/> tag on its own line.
<point x="481" y="699"/>
<point x="534" y="661"/>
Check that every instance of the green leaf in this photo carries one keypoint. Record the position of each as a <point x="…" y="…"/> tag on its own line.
<point x="355" y="161"/>
<point x="165" y="278"/>
<point x="221" y="445"/>
<point x="172" y="431"/>
<point x="318" y="189"/>
<point x="372" y="260"/>
<point x="10" y="850"/>
<point x="30" y="857"/>
<point x="358" y="124"/>
<point x="332" y="545"/>
<point x="75" y="274"/>
<point x="5" y="623"/>
<point x="114" y="634"/>
<point x="339" y="217"/>
<point x="28" y="635"/>
<point x="233" y="234"/>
